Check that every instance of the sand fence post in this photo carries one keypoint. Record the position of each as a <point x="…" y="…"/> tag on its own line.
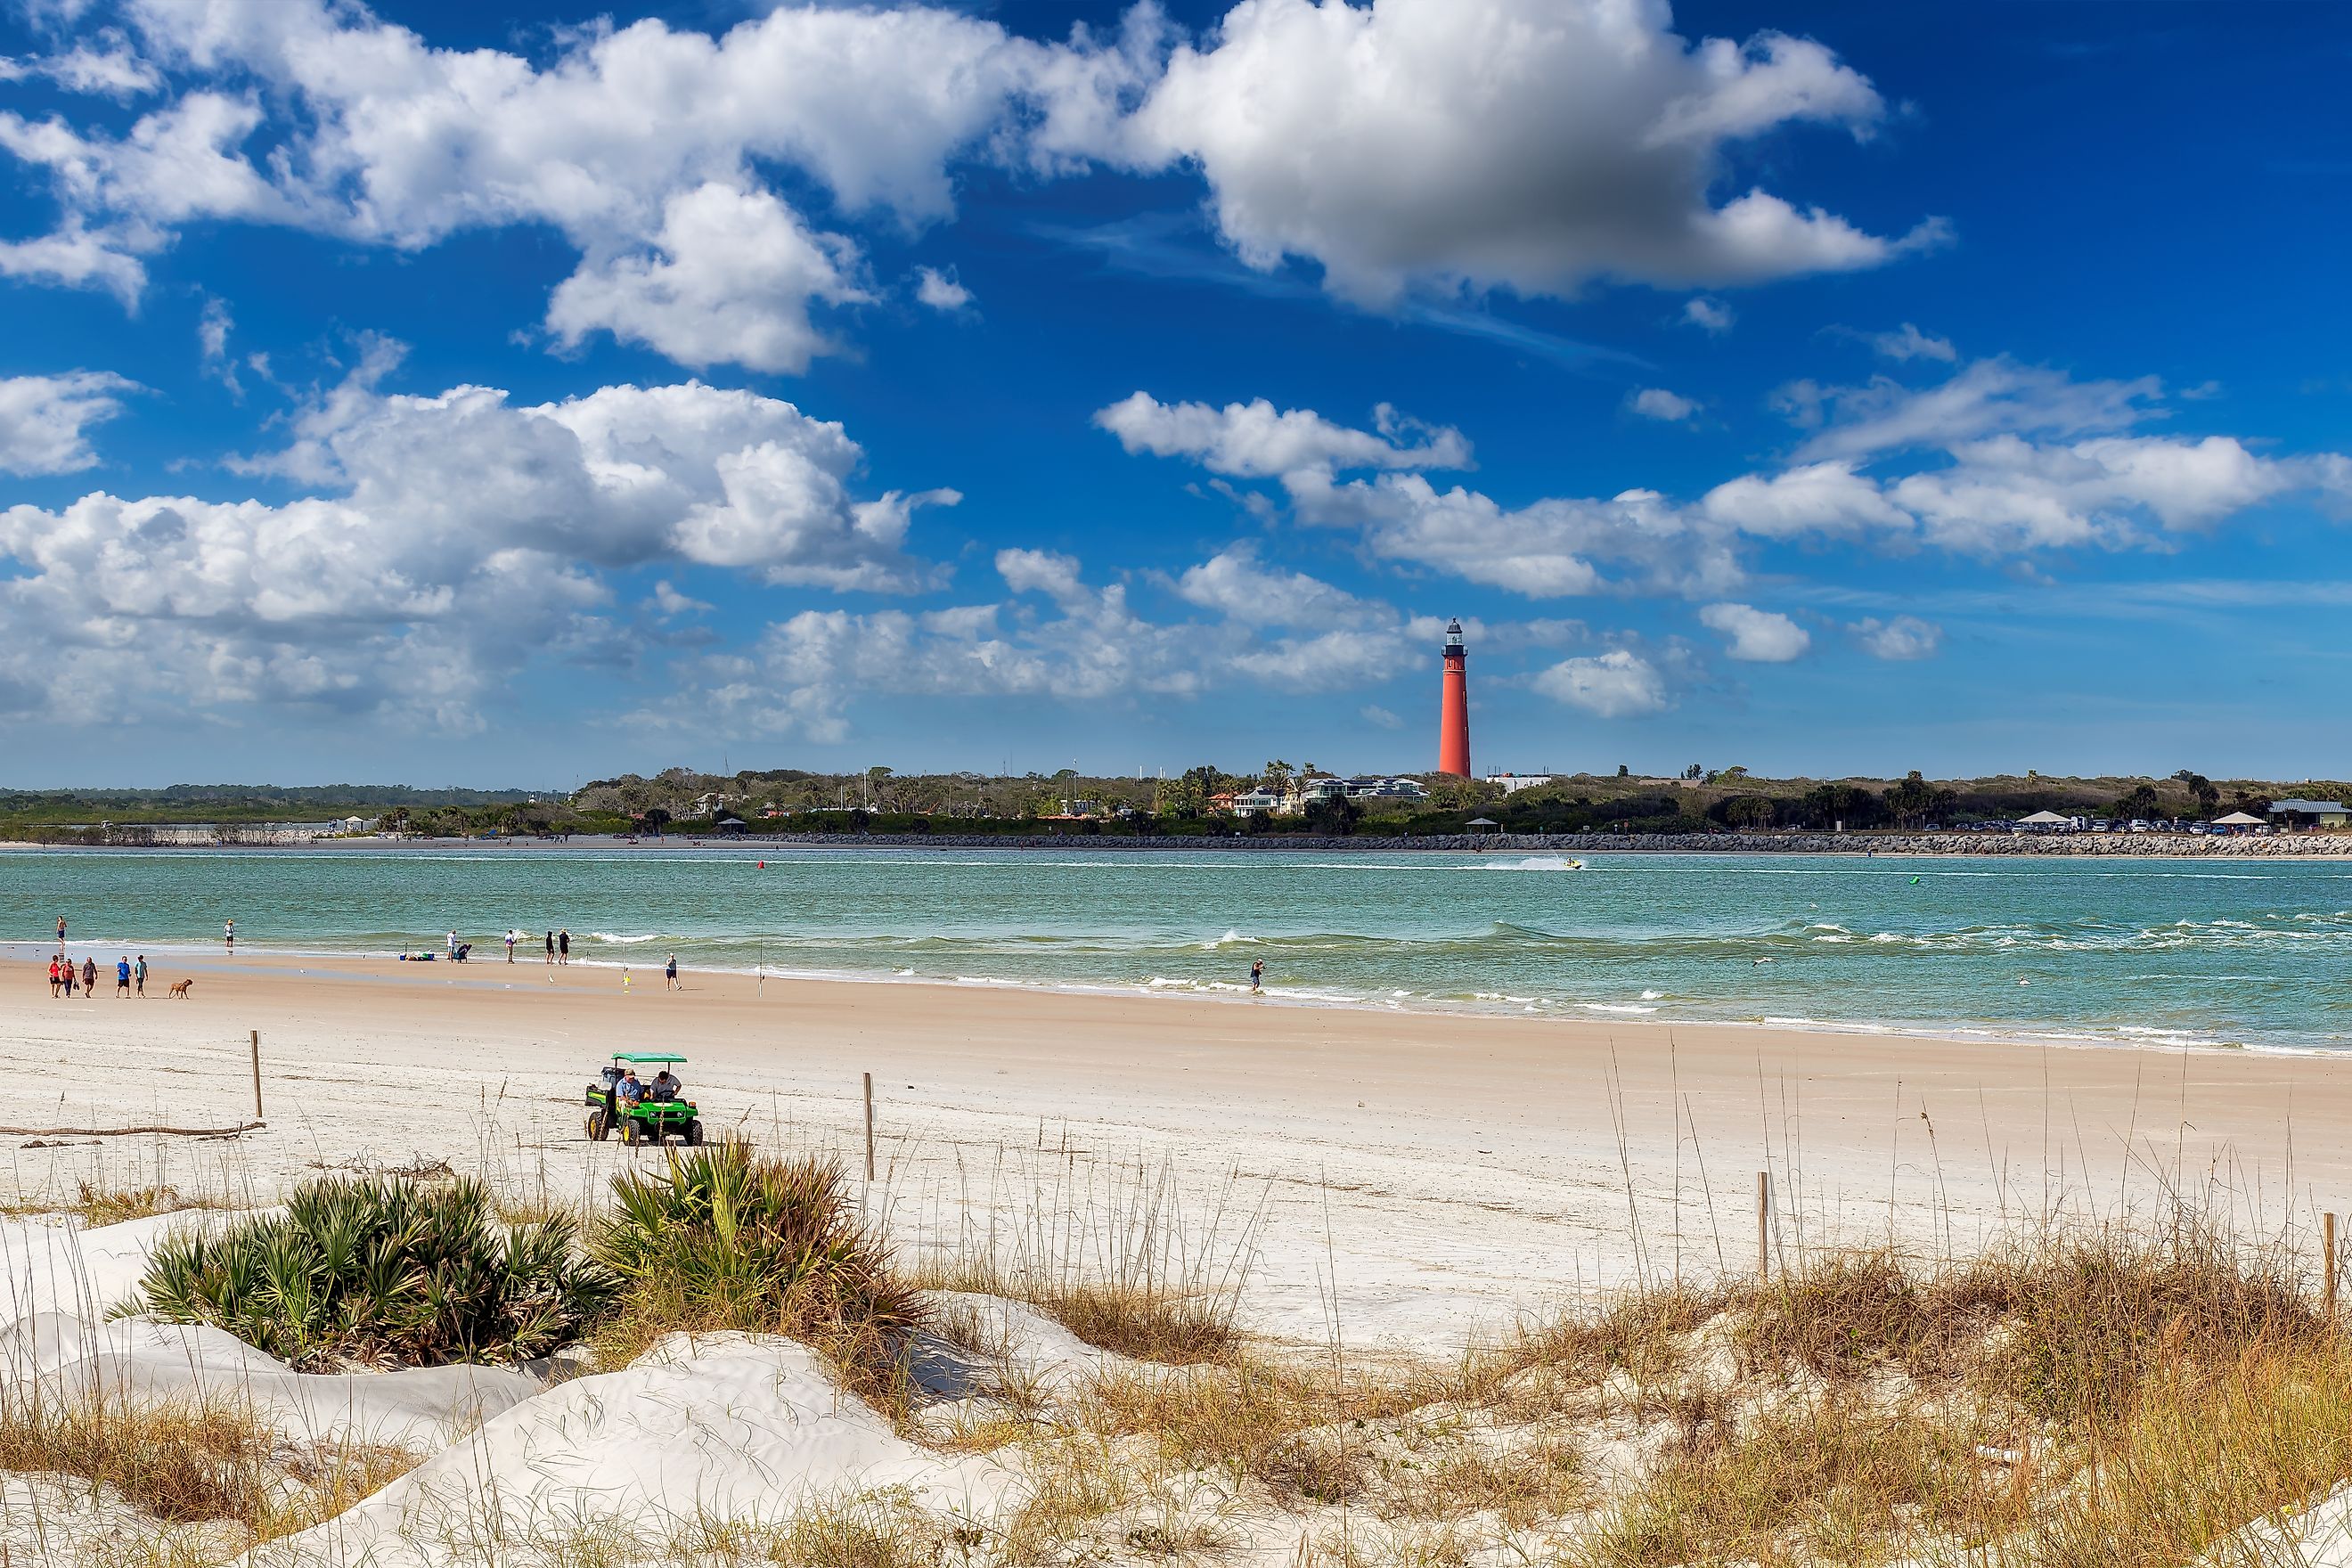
<point x="1763" y="1225"/>
<point x="869" y="1127"/>
<point x="257" y="1074"/>
<point x="2328" y="1260"/>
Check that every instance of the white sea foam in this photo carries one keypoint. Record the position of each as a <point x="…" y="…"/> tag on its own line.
<point x="616" y="940"/>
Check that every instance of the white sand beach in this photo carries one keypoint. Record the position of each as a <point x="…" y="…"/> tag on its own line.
<point x="1422" y="1177"/>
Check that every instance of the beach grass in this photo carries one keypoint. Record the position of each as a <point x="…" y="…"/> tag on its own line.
<point x="723" y="1239"/>
<point x="97" y="1203"/>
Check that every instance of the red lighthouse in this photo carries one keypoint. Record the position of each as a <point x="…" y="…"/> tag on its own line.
<point x="1453" y="713"/>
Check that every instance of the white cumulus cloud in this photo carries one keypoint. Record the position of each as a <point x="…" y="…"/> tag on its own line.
<point x="646" y="146"/>
<point x="1532" y="144"/>
<point x="728" y="278"/>
<point x="1756" y="637"/>
<point x="45" y="419"/>
<point x="1252" y="440"/>
<point x="451" y="538"/>
<point x="1618" y="684"/>
<point x="1657" y="403"/>
<point x="939" y="291"/>
<point x="1902" y="637"/>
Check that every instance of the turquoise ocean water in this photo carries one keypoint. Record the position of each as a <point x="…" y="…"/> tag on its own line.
<point x="2156" y="951"/>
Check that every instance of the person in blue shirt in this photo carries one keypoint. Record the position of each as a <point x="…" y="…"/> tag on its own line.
<point x="632" y="1091"/>
<point x="122" y="977"/>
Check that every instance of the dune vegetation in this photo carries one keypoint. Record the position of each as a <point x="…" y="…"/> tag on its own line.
<point x="382" y="1273"/>
<point x="2140" y="1391"/>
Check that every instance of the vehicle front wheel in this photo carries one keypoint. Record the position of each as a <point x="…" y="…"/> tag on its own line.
<point x="693" y="1134"/>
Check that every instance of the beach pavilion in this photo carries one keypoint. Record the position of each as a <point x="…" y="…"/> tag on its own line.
<point x="2239" y="819"/>
<point x="2045" y="820"/>
<point x="2293" y="814"/>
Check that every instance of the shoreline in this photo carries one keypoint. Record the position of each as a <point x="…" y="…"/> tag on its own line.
<point x="492" y="974"/>
<point x="1858" y="845"/>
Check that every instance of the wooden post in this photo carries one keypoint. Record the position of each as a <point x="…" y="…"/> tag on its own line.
<point x="2328" y="1259"/>
<point x="1763" y="1225"/>
<point x="869" y="1127"/>
<point x="257" y="1074"/>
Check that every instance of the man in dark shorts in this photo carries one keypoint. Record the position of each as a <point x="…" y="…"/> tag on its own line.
<point x="139" y="973"/>
<point x="1257" y="976"/>
<point x="122" y="977"/>
<point x="669" y="973"/>
<point x="89" y="978"/>
<point x="551" y="947"/>
<point x="563" y="946"/>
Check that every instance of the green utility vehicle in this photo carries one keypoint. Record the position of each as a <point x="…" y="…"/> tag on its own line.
<point x="650" y="1120"/>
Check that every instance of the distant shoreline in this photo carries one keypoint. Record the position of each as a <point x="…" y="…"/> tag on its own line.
<point x="2176" y="845"/>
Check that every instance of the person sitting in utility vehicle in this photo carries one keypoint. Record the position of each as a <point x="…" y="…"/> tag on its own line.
<point x="632" y="1091"/>
<point x="665" y="1086"/>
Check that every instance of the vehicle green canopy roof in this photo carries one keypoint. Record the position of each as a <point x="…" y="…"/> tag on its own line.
<point x="654" y="1056"/>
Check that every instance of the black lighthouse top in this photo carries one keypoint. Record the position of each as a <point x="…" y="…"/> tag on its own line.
<point x="1453" y="649"/>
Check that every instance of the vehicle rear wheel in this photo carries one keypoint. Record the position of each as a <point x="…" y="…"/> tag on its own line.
<point x="598" y="1129"/>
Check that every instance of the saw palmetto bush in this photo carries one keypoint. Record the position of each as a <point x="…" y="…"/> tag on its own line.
<point x="382" y="1273"/>
<point x="724" y="1240"/>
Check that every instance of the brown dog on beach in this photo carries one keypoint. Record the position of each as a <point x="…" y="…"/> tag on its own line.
<point x="180" y="988"/>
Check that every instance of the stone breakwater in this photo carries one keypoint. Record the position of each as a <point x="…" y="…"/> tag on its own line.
<point x="2282" y="847"/>
<point x="2304" y="846"/>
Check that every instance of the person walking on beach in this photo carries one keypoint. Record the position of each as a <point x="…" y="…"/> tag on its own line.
<point x="453" y="944"/>
<point x="228" y="937"/>
<point x="139" y="973"/>
<point x="550" y="948"/>
<point x="1258" y="978"/>
<point x="55" y="979"/>
<point x="512" y="934"/>
<point x="71" y="979"/>
<point x="61" y="933"/>
<point x="563" y="946"/>
<point x="669" y="976"/>
<point x="123" y="976"/>
<point x="89" y="978"/>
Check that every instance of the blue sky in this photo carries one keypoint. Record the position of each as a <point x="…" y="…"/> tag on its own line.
<point x="428" y="395"/>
